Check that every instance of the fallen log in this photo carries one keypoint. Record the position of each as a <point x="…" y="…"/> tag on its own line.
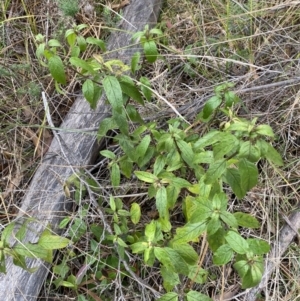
<point x="71" y="148"/>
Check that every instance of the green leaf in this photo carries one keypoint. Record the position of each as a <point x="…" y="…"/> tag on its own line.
<point x="229" y="219"/>
<point x="258" y="246"/>
<point x="211" y="105"/>
<point x="216" y="240"/>
<point x="169" y="297"/>
<point x="108" y="154"/>
<point x="133" y="114"/>
<point x="249" y="151"/>
<point x="187" y="253"/>
<point x="75" y="51"/>
<point x="57" y="70"/>
<point x="171" y="260"/>
<point x="106" y="125"/>
<point x="189" y="232"/>
<point x="79" y="63"/>
<point x="237" y="242"/>
<point x="52" y="242"/>
<point x="233" y="178"/>
<point x="264" y="130"/>
<point x="141" y="149"/>
<point x="213" y="224"/>
<point x="161" y="201"/>
<point x="223" y="255"/>
<point x="197" y="275"/>
<point x="241" y="267"/>
<point x="146" y="176"/>
<point x="113" y="92"/>
<point x="145" y="85"/>
<point x="159" y="164"/>
<point x="112" y="203"/>
<point x="129" y="88"/>
<point x="150" y="51"/>
<point x="186" y="152"/>
<point x="253" y="276"/>
<point x="98" y="42"/>
<point x="7" y="233"/>
<point x="227" y="143"/>
<point x="115" y="175"/>
<point x="135" y="60"/>
<point x="195" y="296"/>
<point x="126" y="166"/>
<point x="34" y="251"/>
<point x="143" y="161"/>
<point x="135" y="213"/>
<point x="270" y="153"/>
<point x="81" y="43"/>
<point x="172" y="195"/>
<point x="70" y="35"/>
<point x="246" y="220"/>
<point x="170" y="278"/>
<point x="249" y="174"/>
<point x="54" y="43"/>
<point x="215" y="171"/>
<point x="88" y="92"/>
<point x="209" y="139"/>
<point x="153" y="232"/>
<point x="139" y="247"/>
<point x="121" y="120"/>
<point x="230" y="98"/>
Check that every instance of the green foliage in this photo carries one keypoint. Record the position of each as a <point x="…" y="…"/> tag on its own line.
<point x="179" y="168"/>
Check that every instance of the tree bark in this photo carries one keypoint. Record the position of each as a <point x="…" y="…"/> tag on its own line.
<point x="75" y="148"/>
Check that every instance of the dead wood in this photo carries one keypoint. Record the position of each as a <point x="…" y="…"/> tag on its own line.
<point x="45" y="200"/>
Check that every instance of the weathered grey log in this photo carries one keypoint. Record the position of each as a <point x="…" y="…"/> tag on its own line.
<point x="45" y="200"/>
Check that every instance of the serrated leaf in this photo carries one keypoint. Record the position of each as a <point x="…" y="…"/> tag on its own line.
<point x="81" y="43"/>
<point x="143" y="161"/>
<point x="113" y="92"/>
<point x="106" y="125"/>
<point x="135" y="60"/>
<point x="209" y="139"/>
<point x="187" y="253"/>
<point x="145" y="85"/>
<point x="249" y="151"/>
<point x="139" y="247"/>
<point x="216" y="240"/>
<point x="227" y="143"/>
<point x="233" y="178"/>
<point x="213" y="224"/>
<point x="115" y="176"/>
<point x="237" y="242"/>
<point x="246" y="220"/>
<point x="230" y="98"/>
<point x="126" y="167"/>
<point x="108" y="154"/>
<point x="189" y="232"/>
<point x="79" y="63"/>
<point x="88" y="92"/>
<point x="223" y="255"/>
<point x="186" y="152"/>
<point x="70" y="35"/>
<point x="197" y="275"/>
<point x="141" y="149"/>
<point x="7" y="233"/>
<point x="196" y="296"/>
<point x="215" y="171"/>
<point x="270" y="153"/>
<point x="161" y="201"/>
<point x="98" y="42"/>
<point x="57" y="69"/>
<point x="211" y="105"/>
<point x="135" y="213"/>
<point x="229" y="219"/>
<point x="150" y="51"/>
<point x="264" y="130"/>
<point x="129" y="88"/>
<point x="34" y="251"/>
<point x="171" y="260"/>
<point x="146" y="176"/>
<point x="258" y="246"/>
<point x="52" y="242"/>
<point x="241" y="267"/>
<point x="252" y="277"/>
<point x="170" y="278"/>
<point x="159" y="164"/>
<point x="249" y="174"/>
<point x="172" y="195"/>
<point x="121" y="120"/>
<point x="169" y="297"/>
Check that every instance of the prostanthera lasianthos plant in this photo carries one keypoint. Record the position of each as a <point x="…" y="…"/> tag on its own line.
<point x="180" y="168"/>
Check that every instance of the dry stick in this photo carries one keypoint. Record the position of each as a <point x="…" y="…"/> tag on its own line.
<point x="286" y="236"/>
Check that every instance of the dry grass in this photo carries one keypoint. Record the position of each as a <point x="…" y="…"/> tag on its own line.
<point x="251" y="43"/>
